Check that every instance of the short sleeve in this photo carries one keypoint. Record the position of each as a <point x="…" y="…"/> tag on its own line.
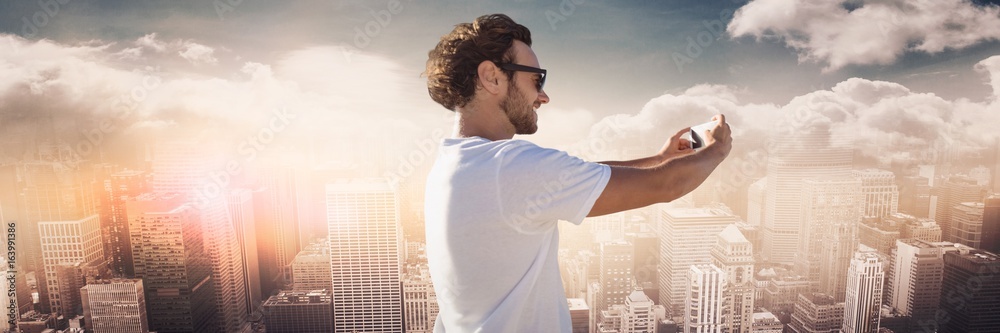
<point x="540" y="186"/>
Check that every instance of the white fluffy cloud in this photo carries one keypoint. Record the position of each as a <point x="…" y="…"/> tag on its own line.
<point x="871" y="32"/>
<point x="197" y="53"/>
<point x="991" y="67"/>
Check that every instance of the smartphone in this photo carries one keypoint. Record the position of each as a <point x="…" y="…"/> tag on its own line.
<point x="698" y="132"/>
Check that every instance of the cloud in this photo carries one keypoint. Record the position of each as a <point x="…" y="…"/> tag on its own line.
<point x="867" y="32"/>
<point x="197" y="53"/>
<point x="991" y="66"/>
<point x="149" y="41"/>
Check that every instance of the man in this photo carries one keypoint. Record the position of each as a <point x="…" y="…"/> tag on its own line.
<point x="492" y="203"/>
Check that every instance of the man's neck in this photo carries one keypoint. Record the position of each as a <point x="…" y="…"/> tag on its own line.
<point x="488" y="124"/>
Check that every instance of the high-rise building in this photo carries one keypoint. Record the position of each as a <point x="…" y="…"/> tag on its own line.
<point x="53" y="191"/>
<point x="223" y="247"/>
<point x="967" y="223"/>
<point x="881" y="196"/>
<point x="118" y="188"/>
<point x="683" y="233"/>
<point x="276" y="217"/>
<point x="616" y="274"/>
<point x="782" y="289"/>
<point x="970" y="289"/>
<point x="816" y="313"/>
<point x="69" y="242"/>
<point x="638" y="316"/>
<point x="607" y="228"/>
<point x="919" y="228"/>
<point x="70" y="277"/>
<point x="756" y="201"/>
<point x="115" y="306"/>
<point x="366" y="255"/>
<point x="311" y="267"/>
<point x="814" y="153"/>
<point x="864" y="293"/>
<point x="733" y="254"/>
<point x="299" y="312"/>
<point x="954" y="191"/>
<point x="703" y="305"/>
<point x="879" y="233"/>
<point x="991" y="224"/>
<point x="240" y="203"/>
<point x="420" y="307"/>
<point x="579" y="314"/>
<point x="645" y="258"/>
<point x="766" y="322"/>
<point x="168" y="246"/>
<point x="914" y="286"/>
<point x="831" y="211"/>
<point x="915" y="196"/>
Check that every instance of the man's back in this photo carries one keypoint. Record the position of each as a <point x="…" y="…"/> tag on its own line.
<point x="491" y="213"/>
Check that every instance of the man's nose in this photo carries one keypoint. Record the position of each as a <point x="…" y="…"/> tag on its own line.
<point x="543" y="97"/>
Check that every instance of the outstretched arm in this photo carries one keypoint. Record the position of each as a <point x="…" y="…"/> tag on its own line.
<point x="675" y="147"/>
<point x="633" y="187"/>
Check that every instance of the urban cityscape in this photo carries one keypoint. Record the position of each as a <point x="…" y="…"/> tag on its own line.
<point x="152" y="183"/>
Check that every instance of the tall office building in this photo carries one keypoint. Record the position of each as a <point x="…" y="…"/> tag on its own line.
<point x="816" y="313"/>
<point x="756" y="202"/>
<point x="766" y="322"/>
<point x="644" y="259"/>
<point x="814" y="153"/>
<point x="222" y="245"/>
<point x="115" y="306"/>
<point x="70" y="277"/>
<point x="733" y="254"/>
<point x="703" y="305"/>
<point x="53" y="191"/>
<point x="914" y="286"/>
<point x="831" y="211"/>
<point x="68" y="242"/>
<point x="881" y="196"/>
<point x="991" y="224"/>
<point x="579" y="314"/>
<point x="880" y="233"/>
<point x="970" y="289"/>
<point x="114" y="218"/>
<point x="967" y="223"/>
<point x="954" y="191"/>
<point x="168" y="246"/>
<point x="606" y="228"/>
<point x="915" y="196"/>
<point x="277" y="220"/>
<point x="864" y="293"/>
<point x="919" y="228"/>
<point x="685" y="235"/>
<point x="365" y="250"/>
<point x="616" y="274"/>
<point x="638" y="316"/>
<point x="240" y="203"/>
<point x="419" y="301"/>
<point x="311" y="267"/>
<point x="299" y="312"/>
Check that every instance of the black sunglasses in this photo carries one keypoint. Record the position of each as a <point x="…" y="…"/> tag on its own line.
<point x="523" y="68"/>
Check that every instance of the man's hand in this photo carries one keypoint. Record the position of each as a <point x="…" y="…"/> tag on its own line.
<point x="719" y="136"/>
<point x="676" y="146"/>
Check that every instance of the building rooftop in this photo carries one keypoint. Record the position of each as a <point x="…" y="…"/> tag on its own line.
<point x="732" y="234"/>
<point x="577" y="304"/>
<point x="638" y="296"/>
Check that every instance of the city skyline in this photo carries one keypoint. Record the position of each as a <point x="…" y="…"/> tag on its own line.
<point x="246" y="167"/>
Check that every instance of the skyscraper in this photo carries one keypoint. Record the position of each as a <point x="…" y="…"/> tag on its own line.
<point x="638" y="316"/>
<point x="816" y="313"/>
<point x="703" y="304"/>
<point x="969" y="292"/>
<point x="914" y="285"/>
<point x="967" y="223"/>
<point x="915" y="196"/>
<point x="616" y="274"/>
<point x="115" y="306"/>
<point x="114" y="219"/>
<point x="814" y="153"/>
<point x="365" y="251"/>
<point x="240" y="203"/>
<point x="879" y="233"/>
<point x="881" y="196"/>
<point x="579" y="314"/>
<point x="684" y="235"/>
<point x="864" y="293"/>
<point x="68" y="242"/>
<point x="919" y="228"/>
<point x="419" y="301"/>
<point x="831" y="211"/>
<point x="733" y="254"/>
<point x="311" y="267"/>
<point x="991" y="224"/>
<point x="954" y="191"/>
<point x="276" y="217"/>
<point x="756" y="202"/>
<point x="223" y="248"/>
<point x="299" y="312"/>
<point x="168" y="245"/>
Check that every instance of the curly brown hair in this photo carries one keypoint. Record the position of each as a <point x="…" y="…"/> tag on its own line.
<point x="452" y="66"/>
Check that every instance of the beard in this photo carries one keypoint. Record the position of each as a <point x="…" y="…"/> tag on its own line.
<point x="519" y="111"/>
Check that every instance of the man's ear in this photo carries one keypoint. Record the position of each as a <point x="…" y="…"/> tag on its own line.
<point x="489" y="77"/>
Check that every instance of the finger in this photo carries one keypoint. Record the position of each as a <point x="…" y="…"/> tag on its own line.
<point x="721" y="118"/>
<point x="681" y="132"/>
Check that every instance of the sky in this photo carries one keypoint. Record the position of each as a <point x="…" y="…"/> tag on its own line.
<point x="338" y="72"/>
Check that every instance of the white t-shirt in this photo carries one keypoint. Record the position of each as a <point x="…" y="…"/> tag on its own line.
<point x="491" y="213"/>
